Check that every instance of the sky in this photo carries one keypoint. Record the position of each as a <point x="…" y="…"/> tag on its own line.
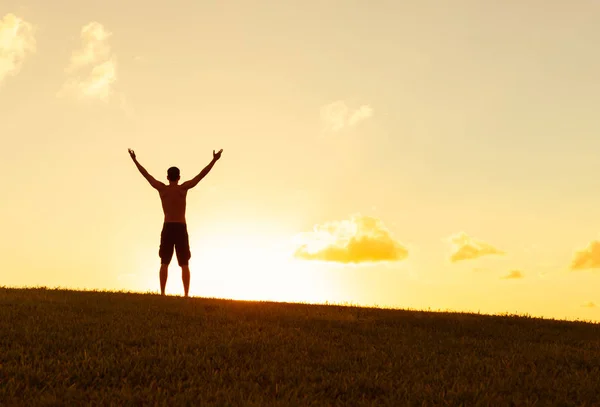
<point x="408" y="154"/>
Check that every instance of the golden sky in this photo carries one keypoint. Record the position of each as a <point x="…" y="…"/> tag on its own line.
<point x="421" y="155"/>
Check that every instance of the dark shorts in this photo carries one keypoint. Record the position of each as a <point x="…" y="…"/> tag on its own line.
<point x="174" y="236"/>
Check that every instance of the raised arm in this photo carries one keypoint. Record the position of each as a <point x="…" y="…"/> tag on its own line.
<point x="194" y="181"/>
<point x="155" y="184"/>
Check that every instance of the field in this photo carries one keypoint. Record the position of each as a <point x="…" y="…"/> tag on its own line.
<point x="61" y="347"/>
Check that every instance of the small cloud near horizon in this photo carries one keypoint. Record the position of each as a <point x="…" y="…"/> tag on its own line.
<point x="468" y="248"/>
<point x="338" y="115"/>
<point x="98" y="62"/>
<point x="514" y="274"/>
<point x="361" y="239"/>
<point x="589" y="304"/>
<point x="588" y="258"/>
<point x="17" y="41"/>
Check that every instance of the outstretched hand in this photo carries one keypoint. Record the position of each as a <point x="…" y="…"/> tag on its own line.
<point x="131" y="153"/>
<point x="216" y="156"/>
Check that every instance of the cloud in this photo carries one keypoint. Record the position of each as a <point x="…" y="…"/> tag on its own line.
<point x="360" y="114"/>
<point x="587" y="258"/>
<point x="514" y="274"/>
<point x="17" y="40"/>
<point x="589" y="305"/>
<point x="94" y="47"/>
<point x="467" y="248"/>
<point x="98" y="84"/>
<point x="362" y="239"/>
<point x="338" y="115"/>
<point x="98" y="63"/>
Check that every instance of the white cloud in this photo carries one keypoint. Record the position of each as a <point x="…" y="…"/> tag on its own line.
<point x="360" y="114"/>
<point x="17" y="40"/>
<point x="588" y="258"/>
<point x="98" y="84"/>
<point x="362" y="239"/>
<point x="94" y="47"/>
<point x="467" y="248"/>
<point x="98" y="63"/>
<point x="338" y="115"/>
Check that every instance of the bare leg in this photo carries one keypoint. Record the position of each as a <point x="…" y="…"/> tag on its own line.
<point x="185" y="276"/>
<point x="164" y="272"/>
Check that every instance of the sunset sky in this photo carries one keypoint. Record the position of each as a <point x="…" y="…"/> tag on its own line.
<point x="412" y="154"/>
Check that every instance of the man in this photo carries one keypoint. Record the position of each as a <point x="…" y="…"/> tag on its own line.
<point x="174" y="235"/>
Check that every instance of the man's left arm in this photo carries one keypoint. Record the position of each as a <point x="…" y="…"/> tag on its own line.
<point x="194" y="181"/>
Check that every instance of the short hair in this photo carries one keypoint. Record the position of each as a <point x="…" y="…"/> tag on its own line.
<point x="173" y="174"/>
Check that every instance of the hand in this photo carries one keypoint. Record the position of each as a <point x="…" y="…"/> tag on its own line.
<point x="131" y="153"/>
<point x="216" y="156"/>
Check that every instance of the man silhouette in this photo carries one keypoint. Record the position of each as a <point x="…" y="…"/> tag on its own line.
<point x="174" y="235"/>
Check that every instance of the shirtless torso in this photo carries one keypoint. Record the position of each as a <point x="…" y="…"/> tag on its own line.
<point x="173" y="202"/>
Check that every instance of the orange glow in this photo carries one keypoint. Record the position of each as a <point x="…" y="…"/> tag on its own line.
<point x="482" y="122"/>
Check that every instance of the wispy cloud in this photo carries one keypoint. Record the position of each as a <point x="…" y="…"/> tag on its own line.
<point x="92" y="69"/>
<point x="360" y="114"/>
<point x="17" y="40"/>
<point x="338" y="115"/>
<point x="468" y="248"/>
<point x="94" y="47"/>
<point x="514" y="274"/>
<point x="361" y="239"/>
<point x="588" y="258"/>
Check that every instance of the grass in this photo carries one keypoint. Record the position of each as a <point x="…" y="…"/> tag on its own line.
<point x="60" y="347"/>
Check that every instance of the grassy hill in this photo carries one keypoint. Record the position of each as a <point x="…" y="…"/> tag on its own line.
<point x="61" y="347"/>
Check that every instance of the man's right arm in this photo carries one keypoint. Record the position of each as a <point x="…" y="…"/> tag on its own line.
<point x="153" y="181"/>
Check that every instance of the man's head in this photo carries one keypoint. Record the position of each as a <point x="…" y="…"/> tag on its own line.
<point x="173" y="174"/>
